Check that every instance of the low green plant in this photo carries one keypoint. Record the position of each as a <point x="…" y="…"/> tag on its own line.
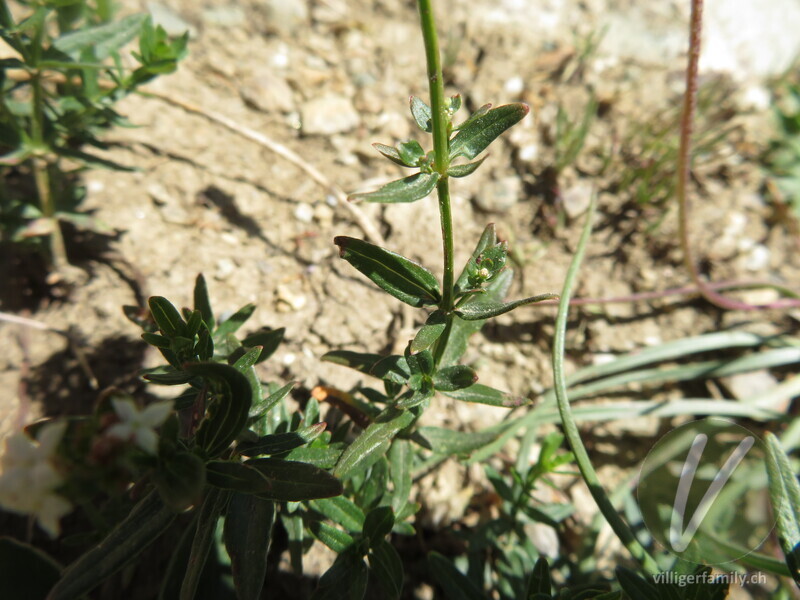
<point x="57" y="96"/>
<point x="176" y="455"/>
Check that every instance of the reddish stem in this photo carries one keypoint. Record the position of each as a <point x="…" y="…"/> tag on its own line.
<point x="684" y="169"/>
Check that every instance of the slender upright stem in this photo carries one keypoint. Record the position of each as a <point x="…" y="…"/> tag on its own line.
<point x="441" y="145"/>
<point x="618" y="525"/>
<point x="684" y="171"/>
<point x="41" y="175"/>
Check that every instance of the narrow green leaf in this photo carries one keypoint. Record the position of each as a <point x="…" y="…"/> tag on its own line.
<point x="324" y="458"/>
<point x="391" y="153"/>
<point x="102" y="39"/>
<point x="473" y="137"/>
<point x="539" y="582"/>
<point x="422" y="114"/>
<point x="290" y="481"/>
<point x="373" y="442"/>
<point x="166" y="316"/>
<point x="402" y="278"/>
<point x="25" y="571"/>
<point x="466" y="169"/>
<point x="269" y="339"/>
<point x="170" y="378"/>
<point x="378" y="524"/>
<point x="483" y="394"/>
<point x="448" y="441"/>
<point x="143" y="525"/>
<point x="457" y="377"/>
<point x="345" y="580"/>
<point x="333" y="537"/>
<point x="392" y="368"/>
<point x="411" y="152"/>
<point x="487" y="240"/>
<point x="409" y="189"/>
<point x="207" y="518"/>
<point x="341" y="511"/>
<point x="785" y="495"/>
<point x="234" y="322"/>
<point x="486" y="310"/>
<point x="248" y="359"/>
<point x="202" y="301"/>
<point x="474" y="116"/>
<point x="635" y="586"/>
<point x="400" y="463"/>
<point x="263" y="406"/>
<point x="359" y="361"/>
<point x="455" y="584"/>
<point x="276" y="443"/>
<point x="387" y="568"/>
<point x="430" y="332"/>
<point x="228" y="411"/>
<point x="180" y="480"/>
<point x="247" y="535"/>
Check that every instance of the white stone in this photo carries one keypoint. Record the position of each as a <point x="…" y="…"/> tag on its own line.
<point x="328" y="115"/>
<point x="576" y="199"/>
<point x="758" y="258"/>
<point x="304" y="213"/>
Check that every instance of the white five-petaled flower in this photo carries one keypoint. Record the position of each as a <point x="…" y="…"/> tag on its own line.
<point x="139" y="426"/>
<point x="28" y="478"/>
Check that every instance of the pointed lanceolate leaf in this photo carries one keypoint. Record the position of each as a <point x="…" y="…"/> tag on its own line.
<point x="457" y="377"/>
<point x="103" y="39"/>
<point x="234" y="322"/>
<point x="409" y="189"/>
<point x="247" y="535"/>
<point x="277" y="443"/>
<point x="341" y="511"/>
<point x="483" y="394"/>
<point x="397" y="275"/>
<point x="345" y="580"/>
<point x="430" y="332"/>
<point x="474" y="137"/>
<point x="488" y="239"/>
<point x="269" y="339"/>
<point x="273" y="479"/>
<point x="785" y="495"/>
<point x="540" y="582"/>
<point x="475" y="312"/>
<point x="386" y="566"/>
<point x="378" y="524"/>
<point x="294" y="481"/>
<point x="392" y="368"/>
<point x="228" y="411"/>
<point x="455" y="584"/>
<point x="392" y="153"/>
<point x="333" y="537"/>
<point x="166" y="316"/>
<point x="474" y="116"/>
<point x="466" y="169"/>
<point x="360" y="361"/>
<point x="202" y="301"/>
<point x="411" y="152"/>
<point x="143" y="525"/>
<point x="422" y="114"/>
<point x="373" y="442"/>
<point x="635" y="586"/>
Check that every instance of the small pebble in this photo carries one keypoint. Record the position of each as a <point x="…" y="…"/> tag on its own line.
<point x="304" y="213"/>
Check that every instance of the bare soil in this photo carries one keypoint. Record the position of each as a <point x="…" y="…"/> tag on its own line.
<point x="205" y="199"/>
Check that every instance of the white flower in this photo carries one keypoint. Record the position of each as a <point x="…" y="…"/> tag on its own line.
<point x="28" y="478"/>
<point x="139" y="426"/>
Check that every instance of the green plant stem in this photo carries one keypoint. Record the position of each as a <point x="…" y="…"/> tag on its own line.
<point x="571" y="432"/>
<point x="41" y="175"/>
<point x="441" y="152"/>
